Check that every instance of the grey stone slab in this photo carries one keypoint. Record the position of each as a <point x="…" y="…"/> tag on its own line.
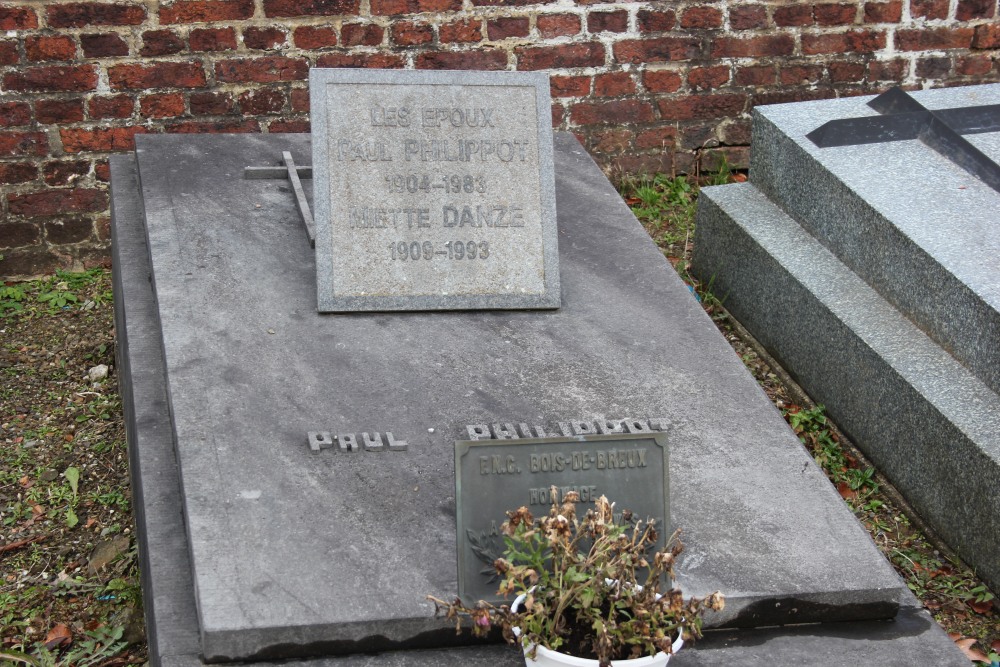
<point x="913" y="224"/>
<point x="926" y="421"/>
<point x="435" y="190"/>
<point x="301" y="552"/>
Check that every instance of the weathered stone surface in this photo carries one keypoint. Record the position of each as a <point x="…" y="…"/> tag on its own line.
<point x="434" y="190"/>
<point x="297" y="552"/>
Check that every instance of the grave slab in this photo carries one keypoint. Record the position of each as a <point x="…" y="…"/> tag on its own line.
<point x="911" y="222"/>
<point x="926" y="421"/>
<point x="296" y="553"/>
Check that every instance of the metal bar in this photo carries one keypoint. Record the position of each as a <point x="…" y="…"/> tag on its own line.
<point x="253" y="173"/>
<point x="300" y="197"/>
<point x="957" y="148"/>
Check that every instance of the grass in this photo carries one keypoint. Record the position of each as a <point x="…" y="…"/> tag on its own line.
<point x="946" y="587"/>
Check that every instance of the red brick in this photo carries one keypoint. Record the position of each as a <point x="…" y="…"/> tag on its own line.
<point x="484" y="59"/>
<point x="656" y="21"/>
<point x="706" y="78"/>
<point x="611" y="141"/>
<point x="658" y="163"/>
<point x="116" y="106"/>
<point x="558" y="115"/>
<point x="657" y="137"/>
<point x="361" y="34"/>
<point x="102" y="171"/>
<point x="792" y="15"/>
<point x="17" y="172"/>
<point x="18" y="235"/>
<point x="80" y="14"/>
<point x="46" y="47"/>
<point x="243" y="126"/>
<point x="661" y="49"/>
<point x="616" y="21"/>
<point x="661" y="81"/>
<point x="315" y="37"/>
<point x="613" y="84"/>
<point x="830" y="14"/>
<point x="266" y="69"/>
<point x="756" y="75"/>
<point x="373" y="60"/>
<point x="852" y="41"/>
<point x="289" y="126"/>
<point x="987" y="36"/>
<point x="300" y="100"/>
<point x="504" y="28"/>
<point x="969" y="10"/>
<point x="701" y="17"/>
<point x="18" y="18"/>
<point x="8" y="52"/>
<point x="205" y="11"/>
<point x="262" y="101"/>
<point x="106" y="45"/>
<point x="53" y="202"/>
<point x="396" y="7"/>
<point x="468" y="30"/>
<point x="557" y="25"/>
<point x="933" y="68"/>
<point x="698" y="107"/>
<point x="408" y="33"/>
<point x="264" y="38"/>
<point x="747" y="17"/>
<point x="883" y="12"/>
<point x="285" y="8"/>
<point x="753" y="47"/>
<point x="793" y="75"/>
<point x="157" y="75"/>
<point x="64" y="172"/>
<point x="77" y="140"/>
<point x="929" y="9"/>
<point x="736" y="132"/>
<point x="587" y="54"/>
<point x="14" y="113"/>
<point x="887" y="70"/>
<point x="68" y="230"/>
<point x="162" y="105"/>
<point x="102" y="225"/>
<point x="73" y="78"/>
<point x="619" y="111"/>
<point x="927" y="39"/>
<point x="511" y="3"/>
<point x="846" y="72"/>
<point x="52" y="112"/>
<point x="974" y="65"/>
<point x="210" y="104"/>
<point x="161" y="43"/>
<point x="212" y="39"/>
<point x="694" y="137"/>
<point x="569" y="86"/>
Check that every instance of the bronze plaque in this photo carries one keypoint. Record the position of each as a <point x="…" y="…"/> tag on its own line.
<point x="494" y="476"/>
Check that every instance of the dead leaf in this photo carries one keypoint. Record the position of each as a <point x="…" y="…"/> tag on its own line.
<point x="58" y="636"/>
<point x="932" y="605"/>
<point x="981" y="607"/>
<point x="739" y="178"/>
<point x="90" y="522"/>
<point x="974" y="654"/>
<point x="68" y="437"/>
<point x="995" y="646"/>
<point x="846" y="492"/>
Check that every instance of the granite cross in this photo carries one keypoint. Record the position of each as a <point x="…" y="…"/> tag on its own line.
<point x="294" y="174"/>
<point x="905" y="118"/>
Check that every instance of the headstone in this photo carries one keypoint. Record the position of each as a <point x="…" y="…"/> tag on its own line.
<point x="433" y="190"/>
<point x="300" y="550"/>
<point x="868" y="263"/>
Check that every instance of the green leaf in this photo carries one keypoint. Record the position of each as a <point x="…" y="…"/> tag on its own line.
<point x="71" y="518"/>
<point x="73" y="477"/>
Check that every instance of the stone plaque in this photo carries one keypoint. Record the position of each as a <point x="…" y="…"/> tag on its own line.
<point x="433" y="190"/>
<point x="494" y="476"/>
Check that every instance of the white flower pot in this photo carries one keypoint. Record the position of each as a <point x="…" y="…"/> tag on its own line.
<point x="545" y="657"/>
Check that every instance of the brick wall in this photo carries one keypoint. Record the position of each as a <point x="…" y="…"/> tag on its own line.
<point x="648" y="86"/>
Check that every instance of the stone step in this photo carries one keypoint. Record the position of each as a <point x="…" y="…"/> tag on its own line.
<point x="909" y="221"/>
<point x="925" y="420"/>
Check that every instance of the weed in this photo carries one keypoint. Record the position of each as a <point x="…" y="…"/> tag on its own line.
<point x="11" y="299"/>
<point x="97" y="647"/>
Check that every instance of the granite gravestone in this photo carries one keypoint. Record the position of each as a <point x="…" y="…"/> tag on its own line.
<point x="864" y="255"/>
<point x="433" y="190"/>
